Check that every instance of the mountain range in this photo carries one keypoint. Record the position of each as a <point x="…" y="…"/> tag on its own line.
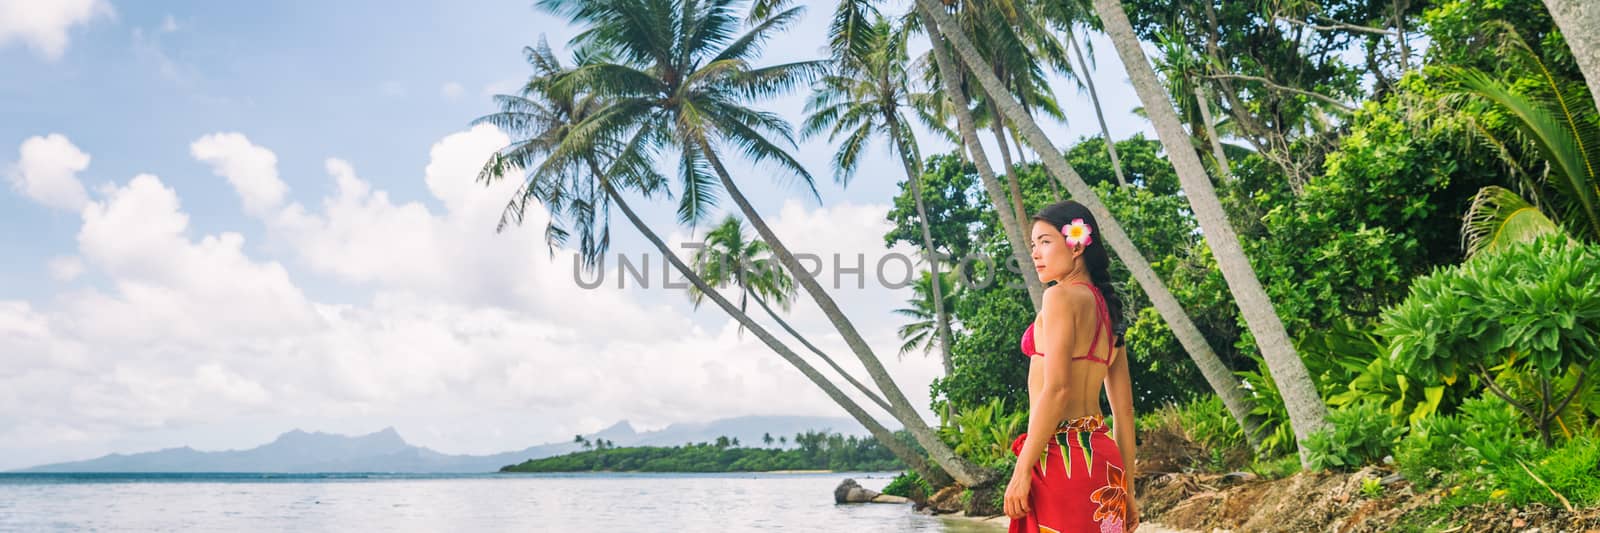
<point x="385" y="451"/>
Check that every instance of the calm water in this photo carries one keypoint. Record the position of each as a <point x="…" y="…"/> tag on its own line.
<point x="492" y="502"/>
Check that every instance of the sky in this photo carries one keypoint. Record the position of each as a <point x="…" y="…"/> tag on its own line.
<point x="224" y="221"/>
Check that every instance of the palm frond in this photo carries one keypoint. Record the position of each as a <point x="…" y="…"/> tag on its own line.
<point x="1500" y="217"/>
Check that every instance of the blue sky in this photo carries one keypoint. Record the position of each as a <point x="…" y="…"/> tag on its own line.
<point x="369" y="291"/>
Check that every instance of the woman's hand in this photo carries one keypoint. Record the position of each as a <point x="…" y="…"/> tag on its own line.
<point x="1017" y="495"/>
<point x="1131" y="520"/>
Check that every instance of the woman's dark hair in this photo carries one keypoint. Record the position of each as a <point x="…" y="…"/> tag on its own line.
<point x="1060" y="214"/>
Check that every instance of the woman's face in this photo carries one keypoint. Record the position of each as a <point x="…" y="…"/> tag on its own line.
<point x="1053" y="258"/>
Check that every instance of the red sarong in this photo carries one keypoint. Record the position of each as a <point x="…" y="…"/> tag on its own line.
<point x="1077" y="486"/>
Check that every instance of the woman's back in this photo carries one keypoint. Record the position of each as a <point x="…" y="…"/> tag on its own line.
<point x="1087" y="368"/>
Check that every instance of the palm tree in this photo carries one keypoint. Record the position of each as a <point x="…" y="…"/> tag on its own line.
<point x="1067" y="16"/>
<point x="729" y="257"/>
<point x="1007" y="36"/>
<point x="1552" y="129"/>
<point x="950" y="99"/>
<point x="561" y="152"/>
<point x="866" y="95"/>
<point x="1217" y="374"/>
<point x="919" y="333"/>
<point x="1578" y="20"/>
<point x="1307" y="412"/>
<point x="682" y="81"/>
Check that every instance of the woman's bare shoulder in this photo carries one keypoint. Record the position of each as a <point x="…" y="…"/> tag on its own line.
<point x="1067" y="298"/>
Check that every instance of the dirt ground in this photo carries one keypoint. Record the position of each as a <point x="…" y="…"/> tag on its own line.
<point x="1330" y="502"/>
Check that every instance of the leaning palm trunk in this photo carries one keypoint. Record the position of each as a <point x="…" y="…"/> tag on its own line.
<point x="1099" y="112"/>
<point x="1013" y="225"/>
<point x="888" y="439"/>
<point x="1307" y="412"/>
<point x="941" y="317"/>
<point x="959" y="468"/>
<point x="867" y="391"/>
<point x="1211" y="133"/>
<point x="1579" y="21"/>
<point x="1216" y="373"/>
<point x="998" y="128"/>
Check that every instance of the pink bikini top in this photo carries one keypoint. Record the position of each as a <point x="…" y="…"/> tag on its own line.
<point x="1027" y="336"/>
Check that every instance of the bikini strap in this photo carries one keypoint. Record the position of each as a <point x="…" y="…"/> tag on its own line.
<point x="1103" y="321"/>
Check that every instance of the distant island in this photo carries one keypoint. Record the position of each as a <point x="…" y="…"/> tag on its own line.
<point x="385" y="451"/>
<point x="812" y="451"/>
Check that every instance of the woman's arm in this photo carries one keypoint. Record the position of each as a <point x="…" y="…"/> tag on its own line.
<point x="1119" y="393"/>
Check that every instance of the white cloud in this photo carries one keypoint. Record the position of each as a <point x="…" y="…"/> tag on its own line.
<point x="47" y="172"/>
<point x="251" y="169"/>
<point x="66" y="268"/>
<point x="451" y="90"/>
<point x="470" y="341"/>
<point x="169" y="24"/>
<point x="42" y="26"/>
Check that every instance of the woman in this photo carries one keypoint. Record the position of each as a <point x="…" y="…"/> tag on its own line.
<point x="1070" y="474"/>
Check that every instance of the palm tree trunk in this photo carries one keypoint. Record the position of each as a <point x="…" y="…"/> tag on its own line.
<point x="1579" y="21"/>
<point x="1099" y="112"/>
<point x="930" y="252"/>
<point x="914" y="460"/>
<point x="964" y="471"/>
<point x="1217" y="374"/>
<point x="997" y="127"/>
<point x="1211" y="132"/>
<point x="1016" y="234"/>
<point x="1307" y="412"/>
<point x="831" y="364"/>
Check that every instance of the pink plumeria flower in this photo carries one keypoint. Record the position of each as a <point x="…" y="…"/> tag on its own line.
<point x="1078" y="232"/>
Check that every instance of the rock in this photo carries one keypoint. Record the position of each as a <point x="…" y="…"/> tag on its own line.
<point x="889" y="498"/>
<point x="849" y="491"/>
<point x="947" y="500"/>
<point x="982" y="501"/>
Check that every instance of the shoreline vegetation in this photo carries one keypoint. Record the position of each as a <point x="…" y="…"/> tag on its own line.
<point x="1360" y="261"/>
<point x="808" y="452"/>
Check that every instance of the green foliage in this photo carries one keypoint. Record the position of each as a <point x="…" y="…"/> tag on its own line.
<point x="1427" y="456"/>
<point x="813" y="451"/>
<point x="988" y="362"/>
<point x="906" y="484"/>
<point x="1372" y="487"/>
<point x="1277" y="436"/>
<point x="1499" y="217"/>
<point x="1572" y="470"/>
<point x="1358" y="434"/>
<point x="1492" y="434"/>
<point x="1532" y="307"/>
<point x="1386" y="209"/>
<point x="950" y="192"/>
<point x="983" y="434"/>
<point x="1205" y="422"/>
<point x="1276" y="468"/>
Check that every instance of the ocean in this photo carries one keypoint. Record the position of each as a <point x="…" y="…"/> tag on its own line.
<point x="482" y="502"/>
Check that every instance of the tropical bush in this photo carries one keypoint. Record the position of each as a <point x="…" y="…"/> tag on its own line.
<point x="984" y="434"/>
<point x="1358" y="434"/>
<point x="1531" y="309"/>
<point x="906" y="484"/>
